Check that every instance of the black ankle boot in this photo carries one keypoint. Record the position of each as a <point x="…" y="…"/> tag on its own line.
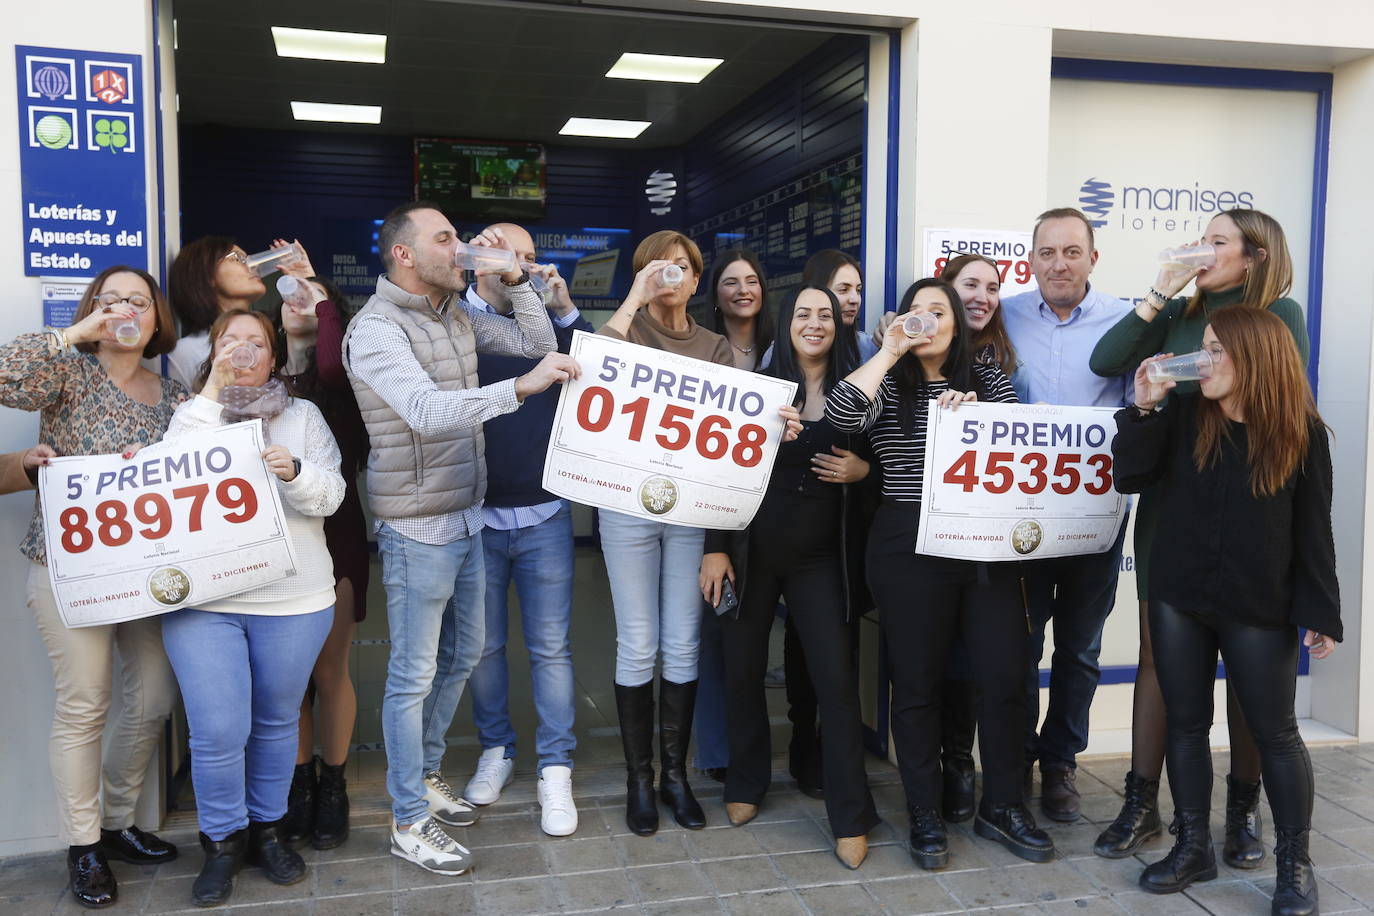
<point x="300" y="803"/>
<point x="1137" y="822"/>
<point x="1244" y="846"/>
<point x="676" y="703"/>
<point x="267" y="850"/>
<point x="1014" y="827"/>
<point x="929" y="842"/>
<point x="331" y="807"/>
<point x="1295" y="884"/>
<point x="223" y="859"/>
<point x="1190" y="860"/>
<point x="635" y="706"/>
<point x="93" y="884"/>
<point x="958" y="718"/>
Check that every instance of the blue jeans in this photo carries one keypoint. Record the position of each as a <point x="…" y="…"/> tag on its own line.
<point x="435" y="608"/>
<point x="708" y="721"/>
<point x="539" y="560"/>
<point x="242" y="678"/>
<point x="1078" y="593"/>
<point x="653" y="568"/>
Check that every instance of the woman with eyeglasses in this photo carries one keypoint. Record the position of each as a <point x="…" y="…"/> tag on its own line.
<point x="1244" y="560"/>
<point x="1253" y="270"/>
<point x="210" y="276"/>
<point x="96" y="398"/>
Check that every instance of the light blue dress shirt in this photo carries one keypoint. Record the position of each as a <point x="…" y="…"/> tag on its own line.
<point x="1052" y="354"/>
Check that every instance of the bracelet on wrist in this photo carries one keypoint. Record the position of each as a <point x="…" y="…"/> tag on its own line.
<point x="1159" y="297"/>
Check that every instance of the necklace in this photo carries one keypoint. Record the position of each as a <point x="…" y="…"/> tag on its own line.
<point x="745" y="350"/>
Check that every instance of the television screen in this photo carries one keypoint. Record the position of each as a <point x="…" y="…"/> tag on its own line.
<point x="476" y="180"/>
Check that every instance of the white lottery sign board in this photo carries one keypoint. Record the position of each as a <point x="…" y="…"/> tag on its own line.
<point x="664" y="437"/>
<point x="1019" y="482"/>
<point x="1010" y="249"/>
<point x="181" y="523"/>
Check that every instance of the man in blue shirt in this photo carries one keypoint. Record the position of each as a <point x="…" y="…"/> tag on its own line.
<point x="1054" y="329"/>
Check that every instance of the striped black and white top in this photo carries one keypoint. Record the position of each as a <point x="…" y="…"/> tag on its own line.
<point x="902" y="456"/>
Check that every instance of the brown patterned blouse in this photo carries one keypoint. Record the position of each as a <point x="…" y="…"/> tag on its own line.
<point x="84" y="412"/>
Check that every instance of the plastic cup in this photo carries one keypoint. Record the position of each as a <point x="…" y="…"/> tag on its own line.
<point x="670" y="277"/>
<point x="1190" y="367"/>
<point x="244" y="356"/>
<point x="294" y="293"/>
<point x="480" y="257"/>
<point x="125" y="330"/>
<point x="1189" y="256"/>
<point x="920" y="324"/>
<point x="541" y="286"/>
<point x="264" y="262"/>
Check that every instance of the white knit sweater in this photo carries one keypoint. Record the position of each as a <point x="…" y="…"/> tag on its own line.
<point x="313" y="494"/>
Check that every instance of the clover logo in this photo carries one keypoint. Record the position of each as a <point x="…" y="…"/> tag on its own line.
<point x="111" y="133"/>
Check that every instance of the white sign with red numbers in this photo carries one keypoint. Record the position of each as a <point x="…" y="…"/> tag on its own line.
<point x="180" y="523"/>
<point x="1019" y="482"/>
<point x="664" y="437"/>
<point x="1010" y="249"/>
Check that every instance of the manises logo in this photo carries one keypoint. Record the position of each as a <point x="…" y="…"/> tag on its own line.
<point x="1171" y="209"/>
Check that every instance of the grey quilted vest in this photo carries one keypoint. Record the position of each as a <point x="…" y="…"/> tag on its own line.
<point x="408" y="474"/>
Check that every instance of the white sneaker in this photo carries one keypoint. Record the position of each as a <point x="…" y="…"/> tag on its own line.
<point x="429" y="847"/>
<point x="559" y="814"/>
<point x="445" y="804"/>
<point x="494" y="773"/>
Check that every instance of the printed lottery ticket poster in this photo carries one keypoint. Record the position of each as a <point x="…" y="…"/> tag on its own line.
<point x="1011" y="251"/>
<point x="664" y="437"/>
<point x="1019" y="482"/>
<point x="181" y="523"/>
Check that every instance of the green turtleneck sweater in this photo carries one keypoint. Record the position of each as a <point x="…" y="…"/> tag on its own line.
<point x="1121" y="351"/>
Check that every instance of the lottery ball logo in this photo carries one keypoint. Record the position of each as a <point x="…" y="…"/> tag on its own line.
<point x="52" y="82"/>
<point x="1026" y="536"/>
<point x="169" y="586"/>
<point x="658" y="495"/>
<point x="53" y="131"/>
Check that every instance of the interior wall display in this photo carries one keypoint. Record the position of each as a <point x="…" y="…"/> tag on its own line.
<point x="596" y="262"/>
<point x="476" y="180"/>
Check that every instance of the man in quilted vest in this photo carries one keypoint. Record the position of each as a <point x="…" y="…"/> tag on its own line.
<point x="411" y="355"/>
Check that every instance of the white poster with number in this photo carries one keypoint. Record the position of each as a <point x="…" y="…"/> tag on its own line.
<point x="1010" y="249"/>
<point x="181" y="523"/>
<point x="664" y="437"/>
<point x="1019" y="482"/>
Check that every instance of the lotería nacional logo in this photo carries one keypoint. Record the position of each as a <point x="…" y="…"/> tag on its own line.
<point x="1026" y="536"/>
<point x="658" y="495"/>
<point x="52" y="82"/>
<point x="1095" y="198"/>
<point x="169" y="586"/>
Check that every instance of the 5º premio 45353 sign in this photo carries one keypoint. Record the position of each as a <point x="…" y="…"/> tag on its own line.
<point x="664" y="437"/>
<point x="179" y="524"/>
<point x="1019" y="482"/>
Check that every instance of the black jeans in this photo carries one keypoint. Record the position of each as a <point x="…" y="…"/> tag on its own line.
<point x="922" y="602"/>
<point x="813" y="588"/>
<point x="1262" y="666"/>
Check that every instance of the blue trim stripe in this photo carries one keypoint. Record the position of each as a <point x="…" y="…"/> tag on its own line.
<point x="894" y="140"/>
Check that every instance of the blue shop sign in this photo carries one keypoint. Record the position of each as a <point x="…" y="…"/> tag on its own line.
<point x="82" y="161"/>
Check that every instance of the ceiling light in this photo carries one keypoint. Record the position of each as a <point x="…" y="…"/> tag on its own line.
<point x="320" y="45"/>
<point x="604" y="127"/>
<point x="326" y="111"/>
<point x="663" y="67"/>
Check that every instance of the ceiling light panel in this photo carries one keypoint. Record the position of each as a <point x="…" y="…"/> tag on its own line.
<point x="320" y="45"/>
<point x="662" y="67"/>
<point x="604" y="127"/>
<point x="327" y="111"/>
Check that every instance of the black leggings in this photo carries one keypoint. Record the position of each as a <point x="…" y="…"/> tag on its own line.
<point x="1262" y="666"/>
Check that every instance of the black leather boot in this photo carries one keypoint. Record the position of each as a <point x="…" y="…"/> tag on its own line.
<point x="1295" y="884"/>
<point x="299" y="821"/>
<point x="958" y="718"/>
<point x="267" y="850"/>
<point x="1014" y="827"/>
<point x="223" y="859"/>
<point x="1190" y="860"/>
<point x="331" y="807"/>
<point x="1137" y="822"/>
<point x="635" y="707"/>
<point x="929" y="842"/>
<point x="1244" y="846"/>
<point x="675" y="705"/>
<point x="93" y="884"/>
<point x="137" y="847"/>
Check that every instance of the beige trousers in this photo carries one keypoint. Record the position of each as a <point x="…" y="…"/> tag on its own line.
<point x="83" y="665"/>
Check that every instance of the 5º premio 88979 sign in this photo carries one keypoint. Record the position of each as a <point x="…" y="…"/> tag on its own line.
<point x="1019" y="482"/>
<point x="179" y="524"/>
<point x="664" y="437"/>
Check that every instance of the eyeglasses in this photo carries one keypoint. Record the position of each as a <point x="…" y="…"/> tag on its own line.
<point x="238" y="256"/>
<point x="110" y="300"/>
<point x="1215" y="351"/>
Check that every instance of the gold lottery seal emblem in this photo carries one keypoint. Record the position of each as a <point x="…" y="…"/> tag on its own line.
<point x="169" y="585"/>
<point x="658" y="495"/>
<point x="1026" y="536"/>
